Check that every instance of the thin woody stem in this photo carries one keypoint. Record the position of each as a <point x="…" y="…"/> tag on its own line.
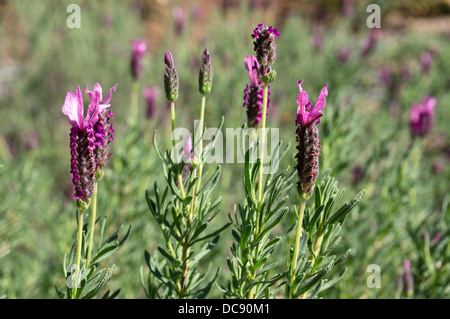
<point x="172" y="118"/>
<point x="78" y="260"/>
<point x="92" y="226"/>
<point x="296" y="246"/>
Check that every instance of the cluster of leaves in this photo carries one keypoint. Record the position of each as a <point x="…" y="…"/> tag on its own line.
<point x="322" y="226"/>
<point x="187" y="238"/>
<point x="91" y="279"/>
<point x="430" y="264"/>
<point x="250" y="264"/>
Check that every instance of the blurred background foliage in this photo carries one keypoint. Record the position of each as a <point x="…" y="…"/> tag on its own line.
<point x="365" y="131"/>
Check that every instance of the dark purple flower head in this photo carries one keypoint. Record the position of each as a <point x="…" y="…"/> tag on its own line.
<point x="139" y="48"/>
<point x="308" y="144"/>
<point x="151" y="95"/>
<point x="254" y="93"/>
<point x="170" y="78"/>
<point x="422" y="117"/>
<point x="265" y="48"/>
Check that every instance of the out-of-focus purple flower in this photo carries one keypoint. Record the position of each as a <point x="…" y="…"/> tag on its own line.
<point x="198" y="12"/>
<point x="425" y="62"/>
<point x="107" y="20"/>
<point x="179" y="18"/>
<point x="409" y="280"/>
<point x="358" y="174"/>
<point x="343" y="54"/>
<point x="31" y="141"/>
<point x="385" y="76"/>
<point x="422" y="117"/>
<point x="317" y="40"/>
<point x="370" y="41"/>
<point x="438" y="166"/>
<point x="139" y="49"/>
<point x="437" y="237"/>
<point x="255" y="5"/>
<point x="254" y="93"/>
<point x="151" y="96"/>
<point x="347" y="8"/>
<point x="406" y="73"/>
<point x="308" y="144"/>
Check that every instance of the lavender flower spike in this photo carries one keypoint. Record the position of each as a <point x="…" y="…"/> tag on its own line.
<point x="170" y="78"/>
<point x="139" y="49"/>
<point x="82" y="143"/>
<point x="308" y="116"/>
<point x="253" y="93"/>
<point x="205" y="76"/>
<point x="265" y="48"/>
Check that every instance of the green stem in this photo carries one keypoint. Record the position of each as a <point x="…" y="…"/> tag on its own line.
<point x="172" y="119"/>
<point x="78" y="260"/>
<point x="92" y="226"/>
<point x="297" y="242"/>
<point x="200" y="146"/>
<point x="250" y="294"/>
<point x="260" y="180"/>
<point x="134" y="103"/>
<point x="261" y="150"/>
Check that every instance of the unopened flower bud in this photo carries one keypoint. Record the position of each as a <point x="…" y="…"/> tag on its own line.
<point x="205" y="76"/>
<point x="170" y="78"/>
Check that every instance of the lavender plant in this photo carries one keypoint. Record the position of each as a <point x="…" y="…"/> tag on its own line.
<point x="184" y="210"/>
<point x="90" y="137"/>
<point x="256" y="218"/>
<point x="264" y="206"/>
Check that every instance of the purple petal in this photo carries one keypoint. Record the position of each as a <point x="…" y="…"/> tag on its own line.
<point x="302" y="100"/>
<point x="108" y="97"/>
<point x="73" y="108"/>
<point x="93" y="109"/>
<point x="320" y="104"/>
<point x="250" y="62"/>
